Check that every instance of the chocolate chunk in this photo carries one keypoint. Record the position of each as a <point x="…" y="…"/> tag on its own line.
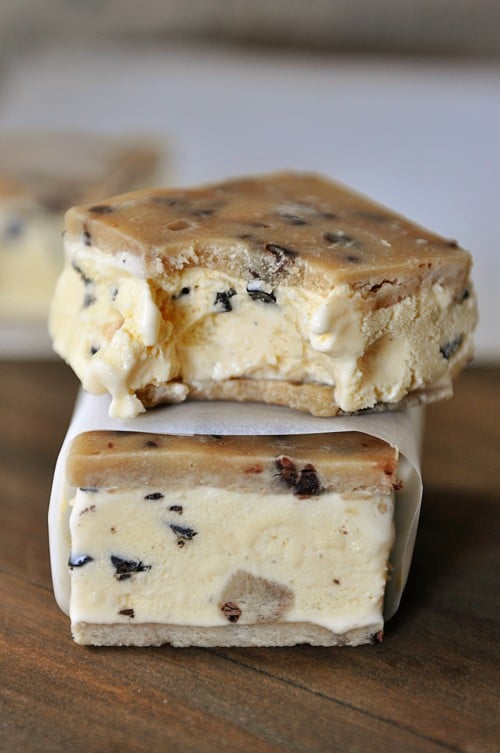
<point x="87" y="238"/>
<point x="281" y="254"/>
<point x="256" y="289"/>
<point x="167" y="201"/>
<point x="223" y="298"/>
<point x="182" y="292"/>
<point x="449" y="348"/>
<point x="373" y="216"/>
<point x="339" y="238"/>
<point x="14" y="229"/>
<point x="352" y="259"/>
<point x="101" y="209"/>
<point x="126" y="568"/>
<point x="465" y="294"/>
<point x="203" y="212"/>
<point x="88" y="300"/>
<point x="127" y="612"/>
<point x="151" y="443"/>
<point x="88" y="489"/>
<point x="308" y="484"/>
<point x="293" y="219"/>
<point x="183" y="534"/>
<point x="305" y="484"/>
<point x="176" y="508"/>
<point x="86" y="280"/>
<point x="154" y="496"/>
<point x="287" y="470"/>
<point x="78" y="560"/>
<point x="93" y="350"/>
<point x="231" y="611"/>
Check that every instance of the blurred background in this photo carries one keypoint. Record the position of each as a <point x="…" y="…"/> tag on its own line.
<point x="398" y="99"/>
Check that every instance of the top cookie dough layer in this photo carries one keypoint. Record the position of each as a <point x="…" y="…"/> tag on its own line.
<point x="296" y="227"/>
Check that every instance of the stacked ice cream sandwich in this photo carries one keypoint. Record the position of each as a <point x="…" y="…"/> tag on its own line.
<point x="294" y="323"/>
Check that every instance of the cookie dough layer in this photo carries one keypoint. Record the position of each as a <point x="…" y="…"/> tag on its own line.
<point x="41" y="175"/>
<point x="287" y="288"/>
<point x="229" y="540"/>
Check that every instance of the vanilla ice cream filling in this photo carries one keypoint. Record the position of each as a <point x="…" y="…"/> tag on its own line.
<point x="167" y="555"/>
<point x="197" y="325"/>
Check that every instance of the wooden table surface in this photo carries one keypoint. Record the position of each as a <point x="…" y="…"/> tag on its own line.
<point x="431" y="686"/>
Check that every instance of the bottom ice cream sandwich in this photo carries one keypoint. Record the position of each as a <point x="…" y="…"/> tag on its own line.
<point x="227" y="541"/>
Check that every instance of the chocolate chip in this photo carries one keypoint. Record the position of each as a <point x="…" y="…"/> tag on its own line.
<point x="464" y="295"/>
<point x="154" y="496"/>
<point x="176" y="508"/>
<point x="182" y="292"/>
<point x="339" y="238"/>
<point x="126" y="568"/>
<point x="305" y="484"/>
<point x="352" y="259"/>
<point x="452" y="243"/>
<point x="183" y="534"/>
<point x="78" y="560"/>
<point x="287" y="470"/>
<point x="223" y="298"/>
<point x="13" y="230"/>
<point x="88" y="300"/>
<point x="293" y="219"/>
<point x="281" y="254"/>
<point x="87" y="238"/>
<point x="257" y="292"/>
<point x="101" y="209"/>
<point x="164" y="200"/>
<point x="86" y="280"/>
<point x="449" y="348"/>
<point x="308" y="484"/>
<point x="203" y="212"/>
<point x="88" y="489"/>
<point x="378" y="285"/>
<point x="127" y="612"/>
<point x="151" y="443"/>
<point x="231" y="611"/>
<point x="93" y="350"/>
<point x="373" y="216"/>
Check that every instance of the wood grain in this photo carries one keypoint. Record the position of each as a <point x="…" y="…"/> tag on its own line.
<point x="431" y="686"/>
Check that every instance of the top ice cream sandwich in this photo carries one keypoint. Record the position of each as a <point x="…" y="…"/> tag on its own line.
<point x="286" y="289"/>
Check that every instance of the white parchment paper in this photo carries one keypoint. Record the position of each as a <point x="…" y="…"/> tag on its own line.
<point x="401" y="429"/>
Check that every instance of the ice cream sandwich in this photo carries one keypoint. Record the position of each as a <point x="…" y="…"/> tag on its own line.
<point x="285" y="289"/>
<point x="41" y="175"/>
<point x="225" y="540"/>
